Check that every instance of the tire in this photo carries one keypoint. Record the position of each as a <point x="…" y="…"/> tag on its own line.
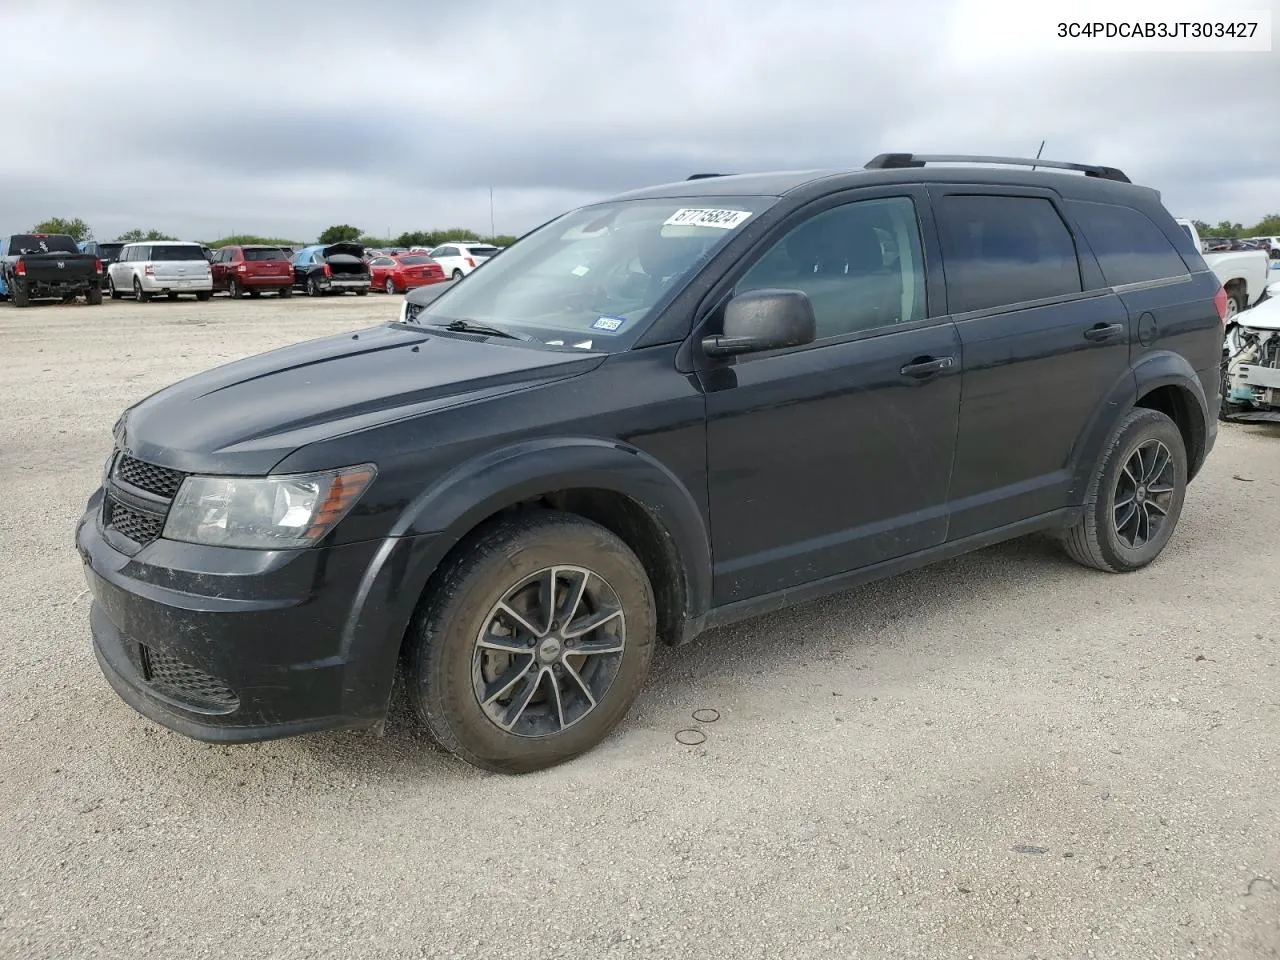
<point x="362" y="292"/>
<point x="254" y="294"/>
<point x="171" y="296"/>
<point x="19" y="295"/>
<point x="111" y="288"/>
<point x="457" y="274"/>
<point x="313" y="288"/>
<point x="138" y="293"/>
<point x="444" y="661"/>
<point x="390" y="287"/>
<point x="203" y="295"/>
<point x="233" y="289"/>
<point x="93" y="295"/>
<point x="1235" y="304"/>
<point x="1097" y="540"/>
<point x="286" y="291"/>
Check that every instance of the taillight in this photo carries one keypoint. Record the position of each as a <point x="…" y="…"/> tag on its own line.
<point x="328" y="272"/>
<point x="97" y="265"/>
<point x="149" y="270"/>
<point x="243" y="268"/>
<point x="1220" y="301"/>
<point x="471" y="263"/>
<point x="20" y="268"/>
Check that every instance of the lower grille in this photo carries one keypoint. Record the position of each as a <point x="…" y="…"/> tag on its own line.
<point x="139" y="527"/>
<point x="181" y="680"/>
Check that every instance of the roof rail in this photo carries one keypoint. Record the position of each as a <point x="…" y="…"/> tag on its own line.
<point x="898" y="161"/>
<point x="704" y="176"/>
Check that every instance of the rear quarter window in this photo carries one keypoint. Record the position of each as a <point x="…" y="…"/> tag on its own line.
<point x="1002" y="250"/>
<point x="1130" y="248"/>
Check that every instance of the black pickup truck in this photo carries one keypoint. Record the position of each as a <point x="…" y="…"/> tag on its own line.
<point x="47" y="266"/>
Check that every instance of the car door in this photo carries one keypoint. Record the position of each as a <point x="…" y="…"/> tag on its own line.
<point x="837" y="455"/>
<point x="1043" y="342"/>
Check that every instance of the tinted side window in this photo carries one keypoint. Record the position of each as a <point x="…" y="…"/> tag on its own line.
<point x="1129" y="247"/>
<point x="1005" y="250"/>
<point x="860" y="264"/>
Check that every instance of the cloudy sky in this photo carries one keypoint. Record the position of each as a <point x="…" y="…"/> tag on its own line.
<point x="212" y="117"/>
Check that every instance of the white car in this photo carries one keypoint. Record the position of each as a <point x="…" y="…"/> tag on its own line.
<point x="144" y="270"/>
<point x="1251" y="391"/>
<point x="460" y="257"/>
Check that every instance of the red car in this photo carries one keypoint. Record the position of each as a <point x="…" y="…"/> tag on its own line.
<point x="252" y="269"/>
<point x="403" y="272"/>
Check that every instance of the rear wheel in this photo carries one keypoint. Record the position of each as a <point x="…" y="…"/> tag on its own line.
<point x="19" y="294"/>
<point x="255" y="293"/>
<point x="1135" y="498"/>
<point x="286" y="291"/>
<point x="171" y="296"/>
<point x="203" y="295"/>
<point x="363" y="291"/>
<point x="138" y="293"/>
<point x="535" y="643"/>
<point x="94" y="295"/>
<point x="313" y="287"/>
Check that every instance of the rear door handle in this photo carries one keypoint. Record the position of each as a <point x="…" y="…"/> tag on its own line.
<point x="1104" y="331"/>
<point x="927" y="366"/>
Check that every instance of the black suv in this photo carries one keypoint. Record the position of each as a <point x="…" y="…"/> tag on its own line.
<point x="656" y="414"/>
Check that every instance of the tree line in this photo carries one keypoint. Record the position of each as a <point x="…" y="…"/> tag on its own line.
<point x="1268" y="226"/>
<point x="78" y="230"/>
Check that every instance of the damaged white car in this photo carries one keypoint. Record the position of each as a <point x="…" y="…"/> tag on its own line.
<point x="1251" y="375"/>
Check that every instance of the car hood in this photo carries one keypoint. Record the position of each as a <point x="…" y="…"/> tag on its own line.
<point x="247" y="416"/>
<point x="1264" y="316"/>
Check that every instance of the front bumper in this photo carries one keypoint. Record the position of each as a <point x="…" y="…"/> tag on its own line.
<point x="234" y="646"/>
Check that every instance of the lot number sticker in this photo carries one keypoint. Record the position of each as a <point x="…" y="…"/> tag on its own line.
<point x="724" y="219"/>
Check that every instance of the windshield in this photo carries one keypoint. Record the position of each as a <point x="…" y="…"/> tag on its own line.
<point x="21" y="243"/>
<point x="269" y="253"/>
<point x="593" y="277"/>
<point x="162" y="252"/>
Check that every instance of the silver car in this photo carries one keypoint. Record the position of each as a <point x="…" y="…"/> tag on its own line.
<point x="160" y="267"/>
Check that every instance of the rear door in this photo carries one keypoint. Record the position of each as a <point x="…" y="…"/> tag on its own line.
<point x="836" y="455"/>
<point x="1043" y="346"/>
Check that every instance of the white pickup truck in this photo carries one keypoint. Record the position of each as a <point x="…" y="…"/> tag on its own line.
<point x="1244" y="273"/>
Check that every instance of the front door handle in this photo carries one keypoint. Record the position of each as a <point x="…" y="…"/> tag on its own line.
<point x="927" y="366"/>
<point x="1104" y="331"/>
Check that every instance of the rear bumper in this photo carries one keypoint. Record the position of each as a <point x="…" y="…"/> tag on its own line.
<point x="263" y="283"/>
<point x="60" y="286"/>
<point x="176" y="284"/>
<point x="343" y="283"/>
<point x="235" y="646"/>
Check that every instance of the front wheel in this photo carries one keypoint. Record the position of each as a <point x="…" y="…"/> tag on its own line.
<point x="390" y="287"/>
<point x="457" y="274"/>
<point x="1135" y="498"/>
<point x="233" y="289"/>
<point x="535" y="643"/>
<point x="111" y="288"/>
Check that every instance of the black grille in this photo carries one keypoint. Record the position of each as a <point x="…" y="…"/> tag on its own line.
<point x="183" y="681"/>
<point x="139" y="527"/>
<point x="161" y="481"/>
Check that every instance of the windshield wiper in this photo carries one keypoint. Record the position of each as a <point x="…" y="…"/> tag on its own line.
<point x="467" y="326"/>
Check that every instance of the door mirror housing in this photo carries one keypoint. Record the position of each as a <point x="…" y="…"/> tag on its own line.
<point x="763" y="320"/>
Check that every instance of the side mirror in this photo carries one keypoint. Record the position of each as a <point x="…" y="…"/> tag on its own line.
<point x="763" y="320"/>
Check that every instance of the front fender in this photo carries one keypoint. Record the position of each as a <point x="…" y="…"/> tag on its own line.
<point x="452" y="506"/>
<point x="455" y="503"/>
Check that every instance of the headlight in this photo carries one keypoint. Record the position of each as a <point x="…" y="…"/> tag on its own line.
<point x="267" y="513"/>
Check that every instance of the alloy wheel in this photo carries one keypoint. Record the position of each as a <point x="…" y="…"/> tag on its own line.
<point x="548" y="651"/>
<point x="1144" y="494"/>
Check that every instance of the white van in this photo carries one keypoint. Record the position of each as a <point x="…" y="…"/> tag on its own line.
<point x="169" y="267"/>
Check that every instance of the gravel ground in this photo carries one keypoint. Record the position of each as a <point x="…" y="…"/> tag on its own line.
<point x="1003" y="756"/>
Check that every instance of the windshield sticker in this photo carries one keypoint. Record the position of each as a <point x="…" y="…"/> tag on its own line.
<point x="580" y="271"/>
<point x="584" y="345"/>
<point x="724" y="219"/>
<point x="609" y="324"/>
